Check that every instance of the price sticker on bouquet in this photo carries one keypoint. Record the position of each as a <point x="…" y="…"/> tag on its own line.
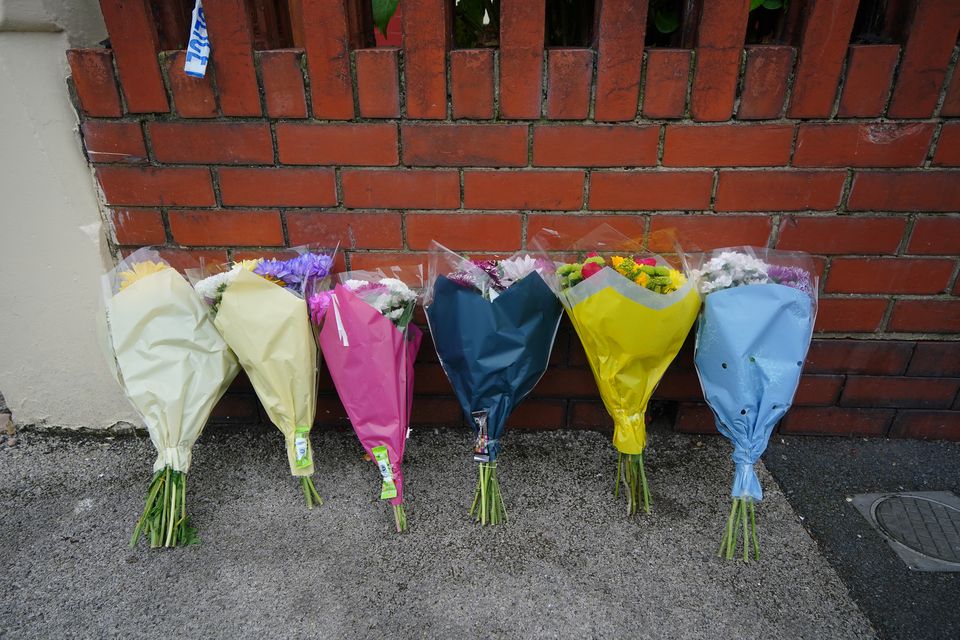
<point x="301" y="445"/>
<point x="382" y="457"/>
<point x="481" y="448"/>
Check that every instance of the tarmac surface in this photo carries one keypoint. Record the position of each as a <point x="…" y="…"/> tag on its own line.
<point x="568" y="564"/>
<point x="819" y="474"/>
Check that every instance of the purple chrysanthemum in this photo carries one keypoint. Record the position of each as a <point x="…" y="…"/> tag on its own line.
<point x="792" y="277"/>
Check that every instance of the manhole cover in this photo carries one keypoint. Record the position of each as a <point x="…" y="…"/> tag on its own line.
<point x="923" y="527"/>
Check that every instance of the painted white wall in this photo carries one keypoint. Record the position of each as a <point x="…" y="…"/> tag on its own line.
<point x="52" y="370"/>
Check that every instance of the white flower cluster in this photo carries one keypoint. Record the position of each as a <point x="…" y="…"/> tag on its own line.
<point x="209" y="288"/>
<point x="391" y="302"/>
<point x="516" y="269"/>
<point x="730" y="269"/>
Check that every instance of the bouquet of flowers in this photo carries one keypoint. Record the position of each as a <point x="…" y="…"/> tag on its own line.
<point x="370" y="345"/>
<point x="758" y="315"/>
<point x="632" y="311"/>
<point x="173" y="366"/>
<point x="493" y="323"/>
<point x="259" y="308"/>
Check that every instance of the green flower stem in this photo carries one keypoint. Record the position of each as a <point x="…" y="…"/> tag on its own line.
<point x="487" y="507"/>
<point x="741" y="522"/>
<point x="631" y="473"/>
<point x="310" y="494"/>
<point x="400" y="517"/>
<point x="164" y="520"/>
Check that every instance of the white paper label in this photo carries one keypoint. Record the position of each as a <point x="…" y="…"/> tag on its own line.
<point x="301" y="445"/>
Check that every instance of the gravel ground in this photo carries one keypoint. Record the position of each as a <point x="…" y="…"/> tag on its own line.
<point x="568" y="564"/>
<point x="819" y="474"/>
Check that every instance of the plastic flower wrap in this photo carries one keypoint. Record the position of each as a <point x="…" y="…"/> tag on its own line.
<point x="493" y="323"/>
<point x="370" y="345"/>
<point x="753" y="337"/>
<point x="632" y="311"/>
<point x="173" y="366"/>
<point x="260" y="309"/>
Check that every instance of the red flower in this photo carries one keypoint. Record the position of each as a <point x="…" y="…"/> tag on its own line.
<point x="589" y="269"/>
<point x="650" y="262"/>
<point x="593" y="254"/>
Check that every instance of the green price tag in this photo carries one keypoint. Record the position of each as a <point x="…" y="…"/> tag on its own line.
<point x="382" y="457"/>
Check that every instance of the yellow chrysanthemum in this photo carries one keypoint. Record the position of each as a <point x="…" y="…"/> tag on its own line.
<point x="248" y="265"/>
<point x="140" y="270"/>
<point x="617" y="261"/>
<point x="677" y="280"/>
<point x="642" y="279"/>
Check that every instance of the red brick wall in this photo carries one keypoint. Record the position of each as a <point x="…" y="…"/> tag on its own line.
<point x="848" y="152"/>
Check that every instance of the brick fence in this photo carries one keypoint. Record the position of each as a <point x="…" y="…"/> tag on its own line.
<point x="844" y="151"/>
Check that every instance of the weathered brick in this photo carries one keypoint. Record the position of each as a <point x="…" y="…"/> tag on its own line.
<point x="415" y="188"/>
<point x="890" y="391"/>
<point x="621" y="27"/>
<point x="933" y="35"/>
<point x="837" y="421"/>
<point x="180" y="186"/>
<point x="227" y="228"/>
<point x="107" y="141"/>
<point x="935" y="235"/>
<point x="322" y="29"/>
<point x="378" y="82"/>
<point x="425" y="43"/>
<point x="464" y="145"/>
<point x="471" y="79"/>
<point x="723" y="27"/>
<point x="870" y="357"/>
<point x="925" y="316"/>
<point x="831" y="235"/>
<point x="850" y="314"/>
<point x="192" y="97"/>
<point x="948" y="146"/>
<point x="665" y="86"/>
<point x="866" y="84"/>
<point x="231" y="49"/>
<point x="755" y="145"/>
<point x="927" y="425"/>
<point x="272" y="187"/>
<point x="283" y="88"/>
<point x="373" y="144"/>
<point x="211" y="142"/>
<point x="523" y="189"/>
<point x="573" y="227"/>
<point x="779" y="190"/>
<point x="352" y="230"/>
<point x="876" y="144"/>
<point x="650" y="190"/>
<point x="522" y="26"/>
<point x="889" y="275"/>
<point x="926" y="190"/>
<point x="137" y="227"/>
<point x="569" y="73"/>
<point x="708" y="232"/>
<point x="595" y="146"/>
<point x="464" y="231"/>
<point x="765" y="81"/>
<point x="133" y="39"/>
<point x="96" y="85"/>
<point x="935" y="359"/>
<point x="826" y="34"/>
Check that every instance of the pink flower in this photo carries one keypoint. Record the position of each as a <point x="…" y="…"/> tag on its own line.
<point x="590" y="268"/>
<point x="650" y="262"/>
<point x="318" y="304"/>
<point x="593" y="254"/>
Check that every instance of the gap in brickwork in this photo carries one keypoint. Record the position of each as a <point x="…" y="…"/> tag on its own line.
<point x="569" y="23"/>
<point x="882" y="21"/>
<point x="476" y="23"/>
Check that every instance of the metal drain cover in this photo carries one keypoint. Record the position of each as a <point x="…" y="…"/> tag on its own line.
<point x="923" y="528"/>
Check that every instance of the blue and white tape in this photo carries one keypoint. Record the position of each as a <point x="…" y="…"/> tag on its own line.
<point x="198" y="49"/>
